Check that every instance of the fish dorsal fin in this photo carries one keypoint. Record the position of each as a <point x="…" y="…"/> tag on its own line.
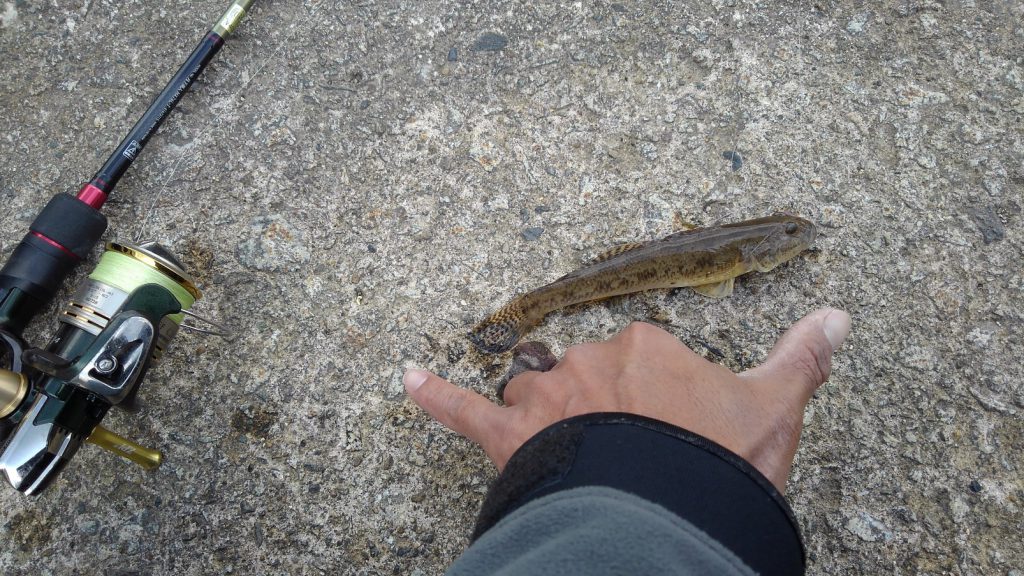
<point x="687" y="228"/>
<point x="620" y="249"/>
<point x="685" y="232"/>
<point x="716" y="289"/>
<point x="680" y="225"/>
<point x="605" y="256"/>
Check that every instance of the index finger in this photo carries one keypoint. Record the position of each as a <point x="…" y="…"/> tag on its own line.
<point x="461" y="410"/>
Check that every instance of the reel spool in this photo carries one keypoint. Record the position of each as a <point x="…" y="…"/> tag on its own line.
<point x="120" y="320"/>
<point x="122" y="269"/>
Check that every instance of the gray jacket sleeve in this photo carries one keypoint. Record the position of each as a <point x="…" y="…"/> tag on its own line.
<point x="617" y="493"/>
<point x="595" y="531"/>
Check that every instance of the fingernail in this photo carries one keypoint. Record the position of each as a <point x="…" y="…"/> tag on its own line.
<point x="414" y="378"/>
<point x="836" y="326"/>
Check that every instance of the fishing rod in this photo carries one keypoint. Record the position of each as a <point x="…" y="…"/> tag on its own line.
<point x="119" y="320"/>
<point x="68" y="227"/>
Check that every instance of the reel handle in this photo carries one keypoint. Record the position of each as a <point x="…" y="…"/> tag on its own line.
<point x="146" y="457"/>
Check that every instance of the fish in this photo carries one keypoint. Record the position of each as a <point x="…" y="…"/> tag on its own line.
<point x="708" y="260"/>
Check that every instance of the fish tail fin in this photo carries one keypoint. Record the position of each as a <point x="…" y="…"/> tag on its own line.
<point x="500" y="331"/>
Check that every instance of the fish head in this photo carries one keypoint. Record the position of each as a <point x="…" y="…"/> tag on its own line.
<point x="781" y="237"/>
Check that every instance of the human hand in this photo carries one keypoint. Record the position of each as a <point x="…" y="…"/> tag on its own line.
<point x="643" y="370"/>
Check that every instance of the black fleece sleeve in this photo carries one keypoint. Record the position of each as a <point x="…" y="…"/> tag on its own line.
<point x="703" y="483"/>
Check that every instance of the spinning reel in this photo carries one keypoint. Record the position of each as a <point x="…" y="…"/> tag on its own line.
<point x="119" y="321"/>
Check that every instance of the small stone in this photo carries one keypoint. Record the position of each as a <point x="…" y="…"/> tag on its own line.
<point x="857" y="24"/>
<point x="869" y="528"/>
<point x="89" y="527"/>
<point x="131" y="537"/>
<point x="735" y="157"/>
<point x="976" y="486"/>
<point x="587" y="188"/>
<point x="10" y="14"/>
<point x="649" y="151"/>
<point x="273" y="245"/>
<point x="254" y="420"/>
<point x="981" y="336"/>
<point x="371" y="248"/>
<point x="533" y="233"/>
<point x="404" y="548"/>
<point x="486" y="153"/>
<point x="540" y="209"/>
<point x="453" y="54"/>
<point x="551" y="171"/>
<point x="490" y="42"/>
<point x="364" y="104"/>
<point x="988" y="223"/>
<point x="150" y="523"/>
<point x="959" y="509"/>
<point x="915" y="96"/>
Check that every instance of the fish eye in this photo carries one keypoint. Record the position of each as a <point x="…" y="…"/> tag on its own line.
<point x="791" y="228"/>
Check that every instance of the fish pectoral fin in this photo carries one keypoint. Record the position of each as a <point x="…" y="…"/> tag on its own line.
<point x="716" y="289"/>
<point x="761" y="267"/>
<point x="620" y="249"/>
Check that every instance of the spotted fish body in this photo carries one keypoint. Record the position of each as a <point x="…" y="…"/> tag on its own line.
<point x="705" y="259"/>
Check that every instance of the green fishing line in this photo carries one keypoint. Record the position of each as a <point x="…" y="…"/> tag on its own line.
<point x="126" y="273"/>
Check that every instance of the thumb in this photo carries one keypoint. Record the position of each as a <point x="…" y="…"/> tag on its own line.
<point x="801" y="360"/>
<point x="462" y="410"/>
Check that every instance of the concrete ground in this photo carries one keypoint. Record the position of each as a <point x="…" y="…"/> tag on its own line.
<point x="356" y="183"/>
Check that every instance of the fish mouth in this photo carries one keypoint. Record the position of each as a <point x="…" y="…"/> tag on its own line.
<point x="810" y="235"/>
